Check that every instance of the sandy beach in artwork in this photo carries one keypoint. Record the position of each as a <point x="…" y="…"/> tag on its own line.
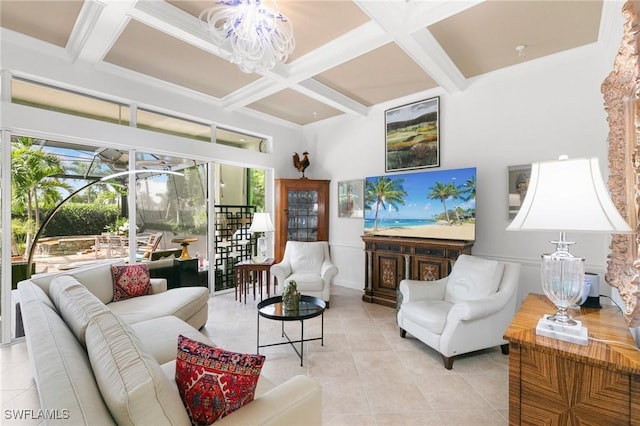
<point x="464" y="231"/>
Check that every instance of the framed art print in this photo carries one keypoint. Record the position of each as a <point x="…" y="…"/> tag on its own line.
<point x="412" y="139"/>
<point x="350" y="202"/>
<point x="518" y="184"/>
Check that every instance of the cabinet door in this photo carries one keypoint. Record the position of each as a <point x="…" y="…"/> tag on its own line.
<point x="429" y="269"/>
<point x="302" y="215"/>
<point x="388" y="271"/>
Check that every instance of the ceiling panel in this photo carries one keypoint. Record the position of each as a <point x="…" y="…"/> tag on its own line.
<point x="484" y="37"/>
<point x="50" y="21"/>
<point x="390" y="74"/>
<point x="314" y="22"/>
<point x="295" y="107"/>
<point x="148" y="51"/>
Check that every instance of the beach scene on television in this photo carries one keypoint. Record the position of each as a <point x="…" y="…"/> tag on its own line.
<point x="434" y="204"/>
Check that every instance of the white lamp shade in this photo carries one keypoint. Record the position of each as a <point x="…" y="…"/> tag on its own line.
<point x="568" y="195"/>
<point x="261" y="223"/>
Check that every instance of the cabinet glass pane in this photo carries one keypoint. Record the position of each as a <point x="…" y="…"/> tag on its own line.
<point x="302" y="221"/>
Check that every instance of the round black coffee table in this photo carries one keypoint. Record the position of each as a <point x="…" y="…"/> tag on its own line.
<point x="310" y="307"/>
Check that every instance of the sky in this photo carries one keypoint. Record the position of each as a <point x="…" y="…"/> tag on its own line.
<point x="411" y="111"/>
<point x="418" y="186"/>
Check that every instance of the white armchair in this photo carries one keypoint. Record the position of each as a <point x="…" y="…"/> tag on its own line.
<point x="309" y="264"/>
<point x="467" y="311"/>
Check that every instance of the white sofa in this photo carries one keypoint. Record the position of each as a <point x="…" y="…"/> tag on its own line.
<point x="98" y="362"/>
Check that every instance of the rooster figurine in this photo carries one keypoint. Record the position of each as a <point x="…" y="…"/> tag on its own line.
<point x="299" y="164"/>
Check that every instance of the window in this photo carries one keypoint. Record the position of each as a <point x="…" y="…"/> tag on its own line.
<point x="50" y="98"/>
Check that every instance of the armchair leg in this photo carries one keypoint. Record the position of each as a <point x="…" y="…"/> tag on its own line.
<point x="448" y="362"/>
<point x="403" y="332"/>
<point x="505" y="349"/>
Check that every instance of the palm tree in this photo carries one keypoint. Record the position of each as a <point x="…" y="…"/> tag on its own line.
<point x="441" y="191"/>
<point x="469" y="188"/>
<point x="384" y="192"/>
<point x="33" y="182"/>
<point x="455" y="192"/>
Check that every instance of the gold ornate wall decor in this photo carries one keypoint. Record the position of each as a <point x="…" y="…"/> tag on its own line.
<point x="620" y="90"/>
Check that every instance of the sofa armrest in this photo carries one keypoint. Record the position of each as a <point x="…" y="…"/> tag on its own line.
<point x="328" y="270"/>
<point x="413" y="290"/>
<point x="298" y="401"/>
<point x="281" y="271"/>
<point x="158" y="285"/>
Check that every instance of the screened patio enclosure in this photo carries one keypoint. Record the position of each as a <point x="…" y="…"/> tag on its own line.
<point x="85" y="213"/>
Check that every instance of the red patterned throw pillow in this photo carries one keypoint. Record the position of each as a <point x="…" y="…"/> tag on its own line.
<point x="214" y="382"/>
<point x="130" y="281"/>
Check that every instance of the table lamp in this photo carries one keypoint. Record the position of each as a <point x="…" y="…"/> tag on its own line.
<point x="566" y="195"/>
<point x="261" y="223"/>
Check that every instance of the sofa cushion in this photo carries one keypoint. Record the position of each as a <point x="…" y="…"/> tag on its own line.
<point x="61" y="368"/>
<point x="430" y="314"/>
<point x="306" y="281"/>
<point x="97" y="278"/>
<point x="473" y="278"/>
<point x="159" y="336"/>
<point x="131" y="381"/>
<point x="307" y="257"/>
<point x="32" y="292"/>
<point x="181" y="302"/>
<point x="214" y="382"/>
<point x="130" y="281"/>
<point x="76" y="304"/>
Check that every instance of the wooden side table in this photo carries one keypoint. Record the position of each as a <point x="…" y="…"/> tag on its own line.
<point x="248" y="271"/>
<point x="559" y="383"/>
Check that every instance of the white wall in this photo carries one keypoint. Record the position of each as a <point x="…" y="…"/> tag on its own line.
<point x="532" y="112"/>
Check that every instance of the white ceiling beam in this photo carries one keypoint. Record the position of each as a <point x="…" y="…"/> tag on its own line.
<point x="361" y="40"/>
<point x="407" y="22"/>
<point x="251" y="93"/>
<point x="425" y="50"/>
<point x="323" y="93"/>
<point x="98" y="26"/>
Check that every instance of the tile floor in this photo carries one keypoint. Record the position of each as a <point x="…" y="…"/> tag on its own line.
<point x="369" y="375"/>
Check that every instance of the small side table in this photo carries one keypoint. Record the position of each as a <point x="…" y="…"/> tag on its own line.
<point x="184" y="242"/>
<point x="248" y="270"/>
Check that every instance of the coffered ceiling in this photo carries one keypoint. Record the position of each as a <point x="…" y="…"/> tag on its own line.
<point x="349" y="55"/>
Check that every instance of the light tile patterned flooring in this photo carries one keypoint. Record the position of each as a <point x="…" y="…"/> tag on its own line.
<point x="369" y="374"/>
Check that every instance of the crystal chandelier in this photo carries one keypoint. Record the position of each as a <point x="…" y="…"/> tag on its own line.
<point x="254" y="32"/>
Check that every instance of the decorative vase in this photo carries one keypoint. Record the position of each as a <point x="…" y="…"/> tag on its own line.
<point x="291" y="297"/>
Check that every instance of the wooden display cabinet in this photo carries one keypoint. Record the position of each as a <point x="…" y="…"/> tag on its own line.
<point x="302" y="212"/>
<point x="553" y="382"/>
<point x="389" y="260"/>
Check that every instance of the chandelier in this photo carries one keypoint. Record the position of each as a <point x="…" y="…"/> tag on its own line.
<point x="254" y="32"/>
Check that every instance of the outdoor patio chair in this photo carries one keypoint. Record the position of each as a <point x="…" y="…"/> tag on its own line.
<point x="144" y="251"/>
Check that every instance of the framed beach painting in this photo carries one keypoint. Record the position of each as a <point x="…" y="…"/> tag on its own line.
<point x="429" y="204"/>
<point x="518" y="185"/>
<point x="412" y="138"/>
<point x="350" y="198"/>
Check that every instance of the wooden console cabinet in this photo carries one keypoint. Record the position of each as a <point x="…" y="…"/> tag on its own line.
<point x="389" y="260"/>
<point x="302" y="212"/>
<point x="553" y="382"/>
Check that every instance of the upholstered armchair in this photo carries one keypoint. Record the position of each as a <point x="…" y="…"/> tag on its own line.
<point x="467" y="311"/>
<point x="309" y="264"/>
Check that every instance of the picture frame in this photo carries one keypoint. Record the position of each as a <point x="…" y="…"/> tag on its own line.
<point x="412" y="136"/>
<point x="350" y="198"/>
<point x="518" y="179"/>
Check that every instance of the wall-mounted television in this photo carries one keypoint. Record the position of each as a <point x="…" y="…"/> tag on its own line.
<point x="438" y="204"/>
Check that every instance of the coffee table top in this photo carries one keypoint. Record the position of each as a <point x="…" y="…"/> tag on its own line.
<point x="273" y="308"/>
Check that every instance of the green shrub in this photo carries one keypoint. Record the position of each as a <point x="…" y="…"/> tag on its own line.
<point x="81" y="219"/>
